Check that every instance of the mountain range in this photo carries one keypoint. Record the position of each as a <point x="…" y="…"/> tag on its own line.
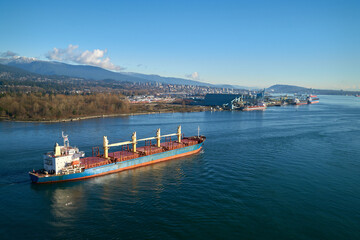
<point x="280" y="88"/>
<point x="97" y="73"/>
<point x="290" y="89"/>
<point x="51" y="68"/>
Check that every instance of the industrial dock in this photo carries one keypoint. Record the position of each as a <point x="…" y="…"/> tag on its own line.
<point x="255" y="102"/>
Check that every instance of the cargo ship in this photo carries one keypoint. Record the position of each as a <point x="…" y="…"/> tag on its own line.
<point x="297" y="101"/>
<point x="67" y="163"/>
<point x="260" y="106"/>
<point x="312" y="99"/>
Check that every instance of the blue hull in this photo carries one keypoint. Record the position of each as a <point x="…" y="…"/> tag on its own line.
<point x="119" y="166"/>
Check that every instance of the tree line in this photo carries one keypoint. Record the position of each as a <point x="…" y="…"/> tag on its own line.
<point x="37" y="106"/>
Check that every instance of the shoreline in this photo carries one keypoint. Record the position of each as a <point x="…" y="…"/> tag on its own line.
<point x="203" y="109"/>
<point x="98" y="116"/>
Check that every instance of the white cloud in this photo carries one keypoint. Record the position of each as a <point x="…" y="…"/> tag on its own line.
<point x="8" y="54"/>
<point x="7" y="58"/>
<point x="95" y="57"/>
<point x="194" y="76"/>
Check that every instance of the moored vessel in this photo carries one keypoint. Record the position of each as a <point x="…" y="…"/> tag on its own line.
<point x="312" y="99"/>
<point x="67" y="163"/>
<point x="297" y="101"/>
<point x="259" y="106"/>
<point x="305" y="99"/>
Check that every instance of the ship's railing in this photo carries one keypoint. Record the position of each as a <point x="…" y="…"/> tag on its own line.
<point x="95" y="164"/>
<point x="95" y="151"/>
<point x="70" y="170"/>
<point x="190" y="141"/>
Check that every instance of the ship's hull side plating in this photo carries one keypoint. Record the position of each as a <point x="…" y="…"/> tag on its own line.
<point x="120" y="166"/>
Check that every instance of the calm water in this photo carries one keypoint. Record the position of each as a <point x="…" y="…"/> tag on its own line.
<point x="286" y="173"/>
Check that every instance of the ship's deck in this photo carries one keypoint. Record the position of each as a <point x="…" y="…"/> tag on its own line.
<point x="124" y="155"/>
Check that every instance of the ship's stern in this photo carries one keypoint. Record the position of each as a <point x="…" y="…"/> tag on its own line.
<point x="33" y="177"/>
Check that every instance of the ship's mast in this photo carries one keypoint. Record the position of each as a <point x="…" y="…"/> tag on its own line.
<point x="66" y="139"/>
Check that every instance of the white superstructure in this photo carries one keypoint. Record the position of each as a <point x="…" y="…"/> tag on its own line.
<point x="64" y="159"/>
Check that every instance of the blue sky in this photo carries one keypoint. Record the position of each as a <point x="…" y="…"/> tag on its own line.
<point x="250" y="43"/>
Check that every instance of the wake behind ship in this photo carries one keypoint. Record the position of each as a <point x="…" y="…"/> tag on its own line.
<point x="67" y="163"/>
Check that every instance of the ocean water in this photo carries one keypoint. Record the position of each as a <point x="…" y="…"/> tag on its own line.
<point x="285" y="173"/>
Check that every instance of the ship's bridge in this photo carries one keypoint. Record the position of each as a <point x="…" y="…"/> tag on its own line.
<point x="62" y="157"/>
